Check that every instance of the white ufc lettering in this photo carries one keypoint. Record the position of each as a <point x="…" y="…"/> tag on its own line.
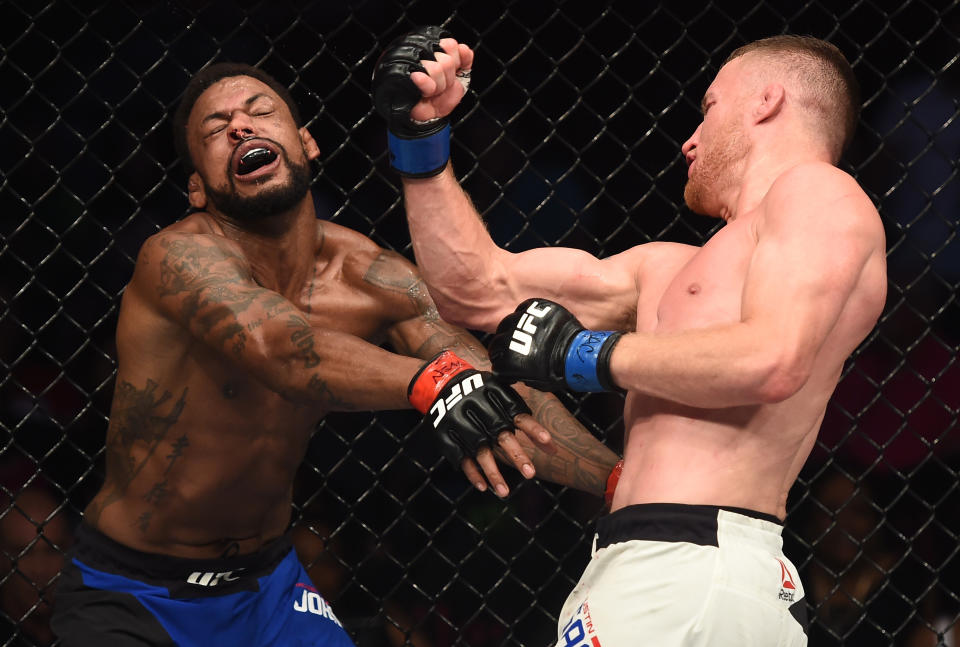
<point x="212" y="578"/>
<point x="457" y="392"/>
<point x="522" y="337"/>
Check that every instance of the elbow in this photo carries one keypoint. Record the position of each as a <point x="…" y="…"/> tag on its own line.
<point x="478" y="299"/>
<point x="279" y="372"/>
<point x="466" y="312"/>
<point x="451" y="310"/>
<point x="781" y="378"/>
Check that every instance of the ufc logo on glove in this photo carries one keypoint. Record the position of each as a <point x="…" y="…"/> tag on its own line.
<point x="466" y="408"/>
<point x="544" y="346"/>
<point x="522" y="338"/>
<point x="442" y="405"/>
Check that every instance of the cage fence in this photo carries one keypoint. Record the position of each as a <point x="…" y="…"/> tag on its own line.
<point x="570" y="136"/>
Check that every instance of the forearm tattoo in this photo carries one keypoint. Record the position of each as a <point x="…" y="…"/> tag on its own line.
<point x="581" y="462"/>
<point x="302" y="338"/>
<point x="391" y="272"/>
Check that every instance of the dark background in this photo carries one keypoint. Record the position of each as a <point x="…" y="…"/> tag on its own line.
<point x="571" y="136"/>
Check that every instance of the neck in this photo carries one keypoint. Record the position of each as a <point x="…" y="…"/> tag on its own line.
<point x="281" y="249"/>
<point x="762" y="167"/>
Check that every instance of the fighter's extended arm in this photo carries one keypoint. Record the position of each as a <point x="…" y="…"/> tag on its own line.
<point x="577" y="459"/>
<point x="817" y="239"/>
<point x="476" y="283"/>
<point x="202" y="283"/>
<point x="570" y="455"/>
<point x="418" y="81"/>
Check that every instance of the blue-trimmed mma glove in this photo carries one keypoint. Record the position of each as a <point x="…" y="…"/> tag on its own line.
<point x="544" y="346"/>
<point x="467" y="408"/>
<point x="417" y="148"/>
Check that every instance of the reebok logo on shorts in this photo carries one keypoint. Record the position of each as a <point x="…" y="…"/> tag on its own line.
<point x="788" y="590"/>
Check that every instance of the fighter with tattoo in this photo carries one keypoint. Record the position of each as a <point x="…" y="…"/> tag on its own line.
<point x="242" y="326"/>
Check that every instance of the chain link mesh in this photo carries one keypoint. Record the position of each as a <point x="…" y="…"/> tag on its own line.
<point x="571" y="136"/>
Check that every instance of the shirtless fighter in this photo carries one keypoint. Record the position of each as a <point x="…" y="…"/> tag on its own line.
<point x="728" y="353"/>
<point x="242" y="326"/>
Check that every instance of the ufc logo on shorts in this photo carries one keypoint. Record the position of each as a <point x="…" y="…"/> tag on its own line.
<point x="212" y="578"/>
<point x="522" y="337"/>
<point x="457" y="392"/>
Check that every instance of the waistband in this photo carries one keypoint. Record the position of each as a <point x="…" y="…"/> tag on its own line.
<point x="96" y="550"/>
<point x="678" y="522"/>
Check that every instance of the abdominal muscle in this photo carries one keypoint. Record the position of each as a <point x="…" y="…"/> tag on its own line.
<point x="215" y="502"/>
<point x="218" y="480"/>
<point x="744" y="457"/>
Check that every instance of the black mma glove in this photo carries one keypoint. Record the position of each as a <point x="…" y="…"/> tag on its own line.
<point x="467" y="408"/>
<point x="544" y="346"/>
<point x="417" y="149"/>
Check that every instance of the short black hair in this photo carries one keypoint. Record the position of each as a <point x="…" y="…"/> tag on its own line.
<point x="202" y="80"/>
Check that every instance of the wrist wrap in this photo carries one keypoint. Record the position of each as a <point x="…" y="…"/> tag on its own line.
<point x="420" y="156"/>
<point x="587" y="365"/>
<point x="429" y="381"/>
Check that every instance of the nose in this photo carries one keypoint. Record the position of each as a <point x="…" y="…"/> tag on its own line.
<point x="241" y="127"/>
<point x="691" y="143"/>
<point x="241" y="133"/>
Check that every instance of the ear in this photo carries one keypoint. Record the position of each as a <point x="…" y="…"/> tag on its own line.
<point x="309" y="144"/>
<point x="771" y="102"/>
<point x="196" y="193"/>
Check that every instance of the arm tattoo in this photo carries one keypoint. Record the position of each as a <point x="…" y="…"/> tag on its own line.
<point x="449" y="337"/>
<point x="581" y="462"/>
<point x="392" y="273"/>
<point x="302" y="338"/>
<point x="213" y="289"/>
<point x="327" y="397"/>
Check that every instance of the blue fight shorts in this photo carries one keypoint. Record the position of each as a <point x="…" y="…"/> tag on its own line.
<point x="109" y="594"/>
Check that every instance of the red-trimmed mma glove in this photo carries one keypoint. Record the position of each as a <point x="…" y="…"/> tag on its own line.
<point x="417" y="148"/>
<point x="467" y="408"/>
<point x="544" y="346"/>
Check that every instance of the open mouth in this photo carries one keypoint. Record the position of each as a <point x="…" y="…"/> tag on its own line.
<point x="254" y="159"/>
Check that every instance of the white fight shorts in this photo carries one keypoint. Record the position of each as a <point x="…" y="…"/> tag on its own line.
<point x="672" y="575"/>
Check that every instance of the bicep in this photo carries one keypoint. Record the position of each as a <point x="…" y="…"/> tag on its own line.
<point x="206" y="288"/>
<point x="601" y="293"/>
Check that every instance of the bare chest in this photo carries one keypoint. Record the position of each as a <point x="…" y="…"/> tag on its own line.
<point x="350" y="296"/>
<point x="706" y="290"/>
